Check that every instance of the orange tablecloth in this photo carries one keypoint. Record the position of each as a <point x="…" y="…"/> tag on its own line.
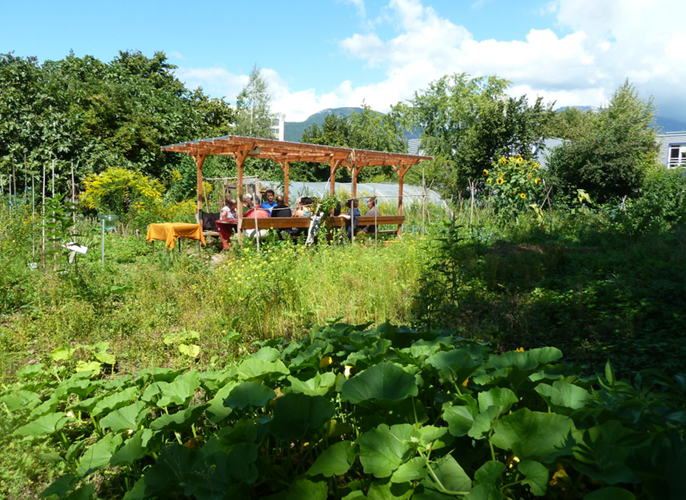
<point x="169" y="232"/>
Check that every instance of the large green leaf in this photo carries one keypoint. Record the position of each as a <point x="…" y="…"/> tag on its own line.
<point x="563" y="395"/>
<point x="60" y="486"/>
<point x="99" y="454"/>
<point x="383" y="449"/>
<point x="319" y="385"/>
<point x="180" y="391"/>
<point x="527" y="360"/>
<point x="489" y="473"/>
<point x="535" y="435"/>
<point x="460" y="419"/>
<point x="333" y="461"/>
<point x="249" y="394"/>
<point x="125" y="418"/>
<point x="456" y="364"/>
<point x="451" y="476"/>
<point x="179" y="421"/>
<point x="297" y="414"/>
<point x="412" y="470"/>
<point x="47" y="424"/>
<point x="133" y="449"/>
<point x="385" y="381"/>
<point x="218" y="411"/>
<point x="255" y="368"/>
<point x="484" y="491"/>
<point x="20" y="400"/>
<point x="304" y="489"/>
<point x="536" y="476"/>
<point x="497" y="396"/>
<point x="115" y="401"/>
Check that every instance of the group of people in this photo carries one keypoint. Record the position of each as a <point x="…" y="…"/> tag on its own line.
<point x="275" y="206"/>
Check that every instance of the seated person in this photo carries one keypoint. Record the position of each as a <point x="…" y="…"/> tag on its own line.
<point x="247" y="203"/>
<point x="270" y="203"/>
<point x="352" y="215"/>
<point x="281" y="209"/>
<point x="302" y="208"/>
<point x="372" y="211"/>
<point x="229" y="209"/>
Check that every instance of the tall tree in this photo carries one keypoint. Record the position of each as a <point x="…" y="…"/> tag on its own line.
<point x="92" y="115"/>
<point x="367" y="129"/>
<point x="613" y="158"/>
<point x="467" y="123"/>
<point x="253" y="114"/>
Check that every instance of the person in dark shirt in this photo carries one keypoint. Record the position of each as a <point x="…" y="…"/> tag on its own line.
<point x="280" y="209"/>
<point x="353" y="215"/>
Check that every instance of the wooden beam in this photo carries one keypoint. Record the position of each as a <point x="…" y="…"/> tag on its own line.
<point x="199" y="160"/>
<point x="335" y="163"/>
<point x="286" y="180"/>
<point x="240" y="160"/>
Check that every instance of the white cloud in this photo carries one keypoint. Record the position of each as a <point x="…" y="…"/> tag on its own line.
<point x="591" y="48"/>
<point x="214" y="81"/>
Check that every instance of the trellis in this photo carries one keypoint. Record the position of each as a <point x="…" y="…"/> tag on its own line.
<point x="283" y="153"/>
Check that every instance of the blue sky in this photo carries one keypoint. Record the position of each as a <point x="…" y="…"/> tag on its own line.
<point x="318" y="54"/>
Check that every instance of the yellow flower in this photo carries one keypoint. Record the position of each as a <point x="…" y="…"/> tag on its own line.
<point x="502" y="160"/>
<point x="325" y="362"/>
<point x="537" y="180"/>
<point x="519" y="349"/>
<point x="489" y="180"/>
<point x="522" y="196"/>
<point x="500" y="180"/>
<point x="486" y="172"/>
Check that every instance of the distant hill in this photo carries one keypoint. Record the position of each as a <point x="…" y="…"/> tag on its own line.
<point x="666" y="123"/>
<point x="294" y="130"/>
<point x="670" y="124"/>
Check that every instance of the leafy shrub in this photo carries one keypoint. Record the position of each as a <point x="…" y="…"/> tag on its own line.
<point x="387" y="411"/>
<point x="515" y="184"/>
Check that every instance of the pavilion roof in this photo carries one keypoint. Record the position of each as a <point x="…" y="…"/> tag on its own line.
<point x="281" y="151"/>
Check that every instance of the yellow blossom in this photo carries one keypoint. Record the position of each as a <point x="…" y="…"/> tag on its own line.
<point x="486" y="172"/>
<point x="500" y="180"/>
<point x="522" y="196"/>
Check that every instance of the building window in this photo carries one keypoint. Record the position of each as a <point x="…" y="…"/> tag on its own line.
<point x="677" y="155"/>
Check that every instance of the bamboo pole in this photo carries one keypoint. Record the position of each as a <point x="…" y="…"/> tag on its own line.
<point x="43" y="221"/>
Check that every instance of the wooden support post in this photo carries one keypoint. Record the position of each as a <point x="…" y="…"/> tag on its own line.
<point x="199" y="160"/>
<point x="401" y="175"/>
<point x="286" y="180"/>
<point x="354" y="188"/>
<point x="240" y="160"/>
<point x="332" y="176"/>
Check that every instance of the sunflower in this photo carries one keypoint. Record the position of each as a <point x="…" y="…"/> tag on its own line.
<point x="486" y="172"/>
<point x="537" y="180"/>
<point x="522" y="196"/>
<point x="489" y="180"/>
<point x="500" y="181"/>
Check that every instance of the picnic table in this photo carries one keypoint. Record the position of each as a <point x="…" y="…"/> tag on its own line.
<point x="169" y="232"/>
<point x="227" y="228"/>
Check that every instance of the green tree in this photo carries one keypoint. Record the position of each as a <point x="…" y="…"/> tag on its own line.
<point x="88" y="114"/>
<point x="613" y="159"/>
<point x="467" y="123"/>
<point x="253" y="114"/>
<point x="368" y="130"/>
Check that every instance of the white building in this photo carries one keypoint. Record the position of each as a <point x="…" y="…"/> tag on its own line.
<point x="278" y="126"/>
<point x="673" y="149"/>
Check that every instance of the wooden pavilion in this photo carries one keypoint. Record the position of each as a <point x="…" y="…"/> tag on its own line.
<point x="283" y="153"/>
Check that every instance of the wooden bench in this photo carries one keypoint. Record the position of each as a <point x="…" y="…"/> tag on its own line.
<point x="304" y="223"/>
